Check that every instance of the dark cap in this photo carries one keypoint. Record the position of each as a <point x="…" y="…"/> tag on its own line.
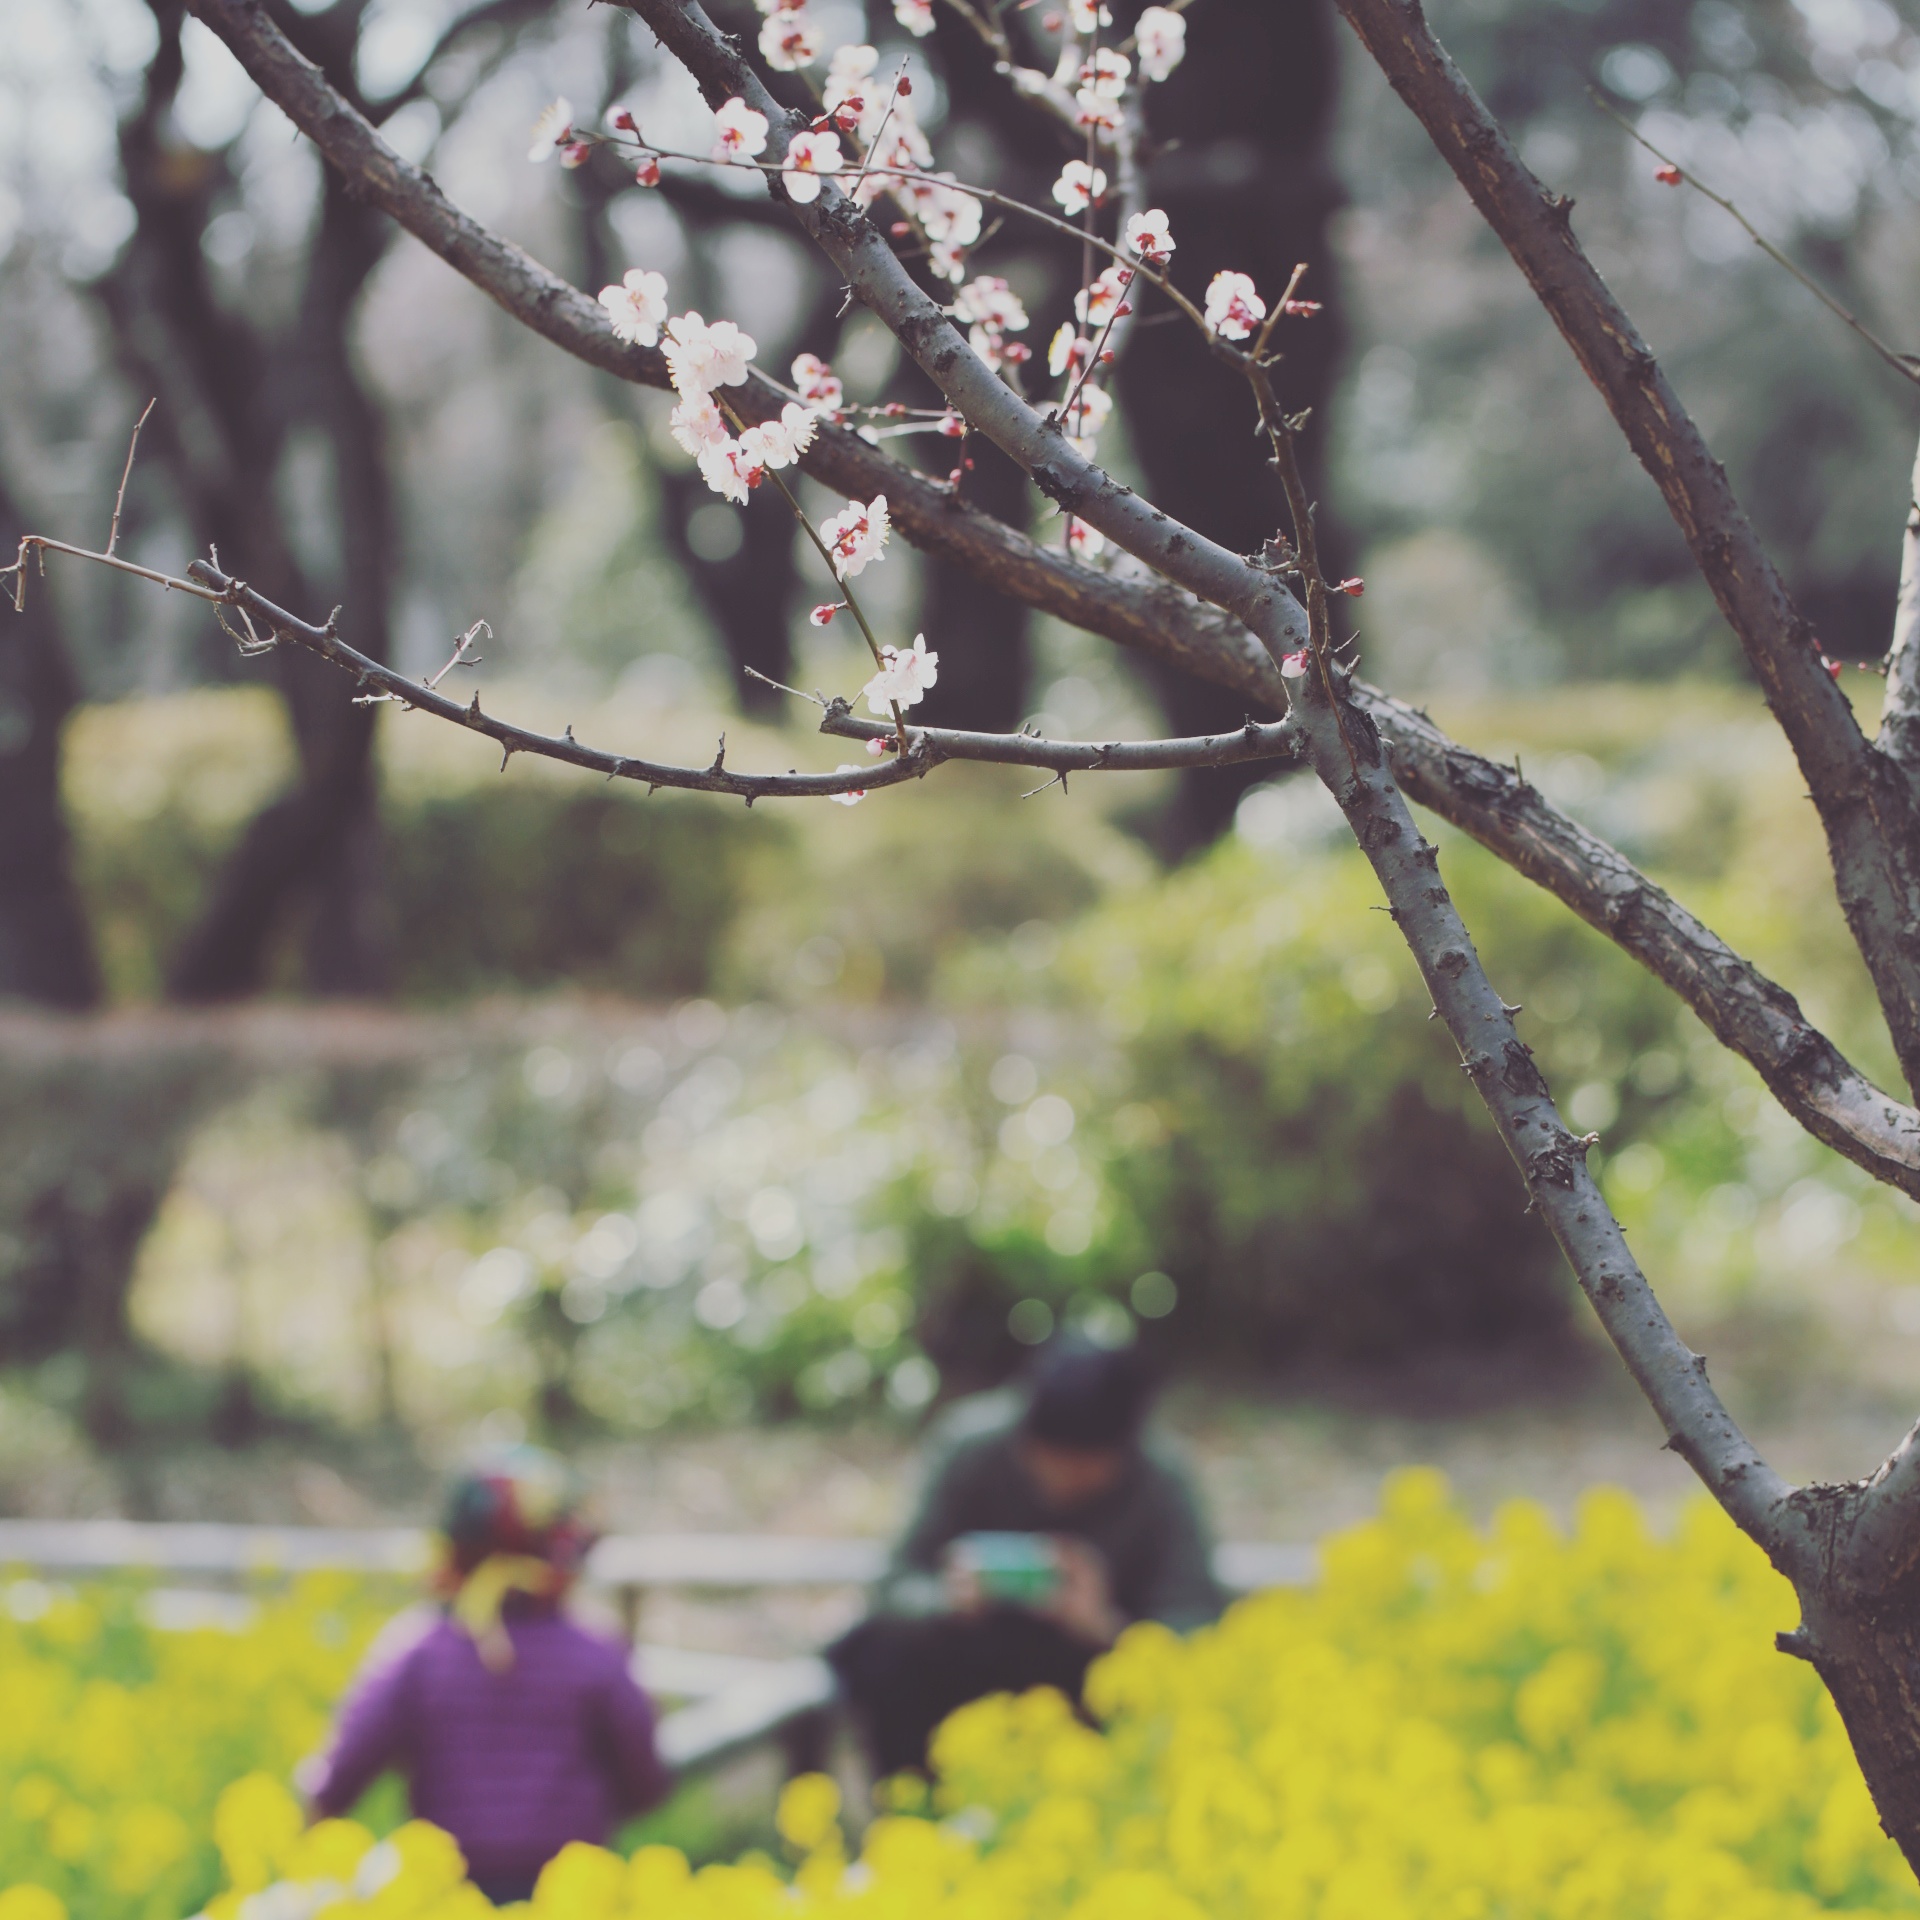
<point x="1094" y="1398"/>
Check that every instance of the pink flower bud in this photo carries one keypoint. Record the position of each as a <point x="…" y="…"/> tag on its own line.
<point x="953" y="427"/>
<point x="1352" y="588"/>
<point x="647" y="173"/>
<point x="625" y="121"/>
<point x="1668" y="176"/>
<point x="1123" y="309"/>
<point x="1015" y="351"/>
<point x="956" y="476"/>
<point x="900" y="229"/>
<point x="895" y="410"/>
<point x="576" y="153"/>
<point x="823" y="616"/>
<point x="1832" y="666"/>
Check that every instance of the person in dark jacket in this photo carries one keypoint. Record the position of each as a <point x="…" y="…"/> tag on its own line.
<point x="1050" y="1522"/>
<point x="516" y="1729"/>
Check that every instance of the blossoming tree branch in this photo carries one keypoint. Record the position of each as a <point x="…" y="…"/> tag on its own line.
<point x="856" y="172"/>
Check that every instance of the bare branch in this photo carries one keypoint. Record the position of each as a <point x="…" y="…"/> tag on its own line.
<point x="1551" y="1159"/>
<point x="1276" y="740"/>
<point x="1899" y="736"/>
<point x="1869" y="811"/>
<point x="126" y="474"/>
<point x="1748" y="1013"/>
<point x="1907" y="365"/>
<point x="1149" y="616"/>
<point x="870" y="267"/>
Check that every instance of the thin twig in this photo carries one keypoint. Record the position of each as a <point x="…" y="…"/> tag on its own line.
<point x="1907" y="365"/>
<point x="126" y="473"/>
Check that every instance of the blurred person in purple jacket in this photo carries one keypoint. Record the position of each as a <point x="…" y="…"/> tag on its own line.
<point x="516" y="1729"/>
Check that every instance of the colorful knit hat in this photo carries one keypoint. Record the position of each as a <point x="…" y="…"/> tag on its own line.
<point x="513" y="1523"/>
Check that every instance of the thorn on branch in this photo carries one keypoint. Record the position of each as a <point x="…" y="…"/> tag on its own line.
<point x="506" y="754"/>
<point x="720" y="757"/>
<point x="474" y="715"/>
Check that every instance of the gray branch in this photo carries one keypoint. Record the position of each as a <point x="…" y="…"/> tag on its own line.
<point x="1868" y="807"/>
<point x="1748" y="1013"/>
<point x="1899" y="736"/>
<point x="1552" y="1160"/>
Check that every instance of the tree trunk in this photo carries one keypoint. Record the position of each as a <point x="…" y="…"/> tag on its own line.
<point x="46" y="947"/>
<point x="229" y="396"/>
<point x="1246" y="179"/>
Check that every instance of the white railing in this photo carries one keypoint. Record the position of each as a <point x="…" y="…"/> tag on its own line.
<point x="734" y="1702"/>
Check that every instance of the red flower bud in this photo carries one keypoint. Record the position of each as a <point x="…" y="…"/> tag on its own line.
<point x="1106" y="353"/>
<point x="625" y="121"/>
<point x="956" y="476"/>
<point x="647" y="173"/>
<point x="1352" y="588"/>
<point x="905" y="87"/>
<point x="1668" y="176"/>
<point x="1016" y="352"/>
<point x="895" y="410"/>
<point x="900" y="229"/>
<point x="1123" y="309"/>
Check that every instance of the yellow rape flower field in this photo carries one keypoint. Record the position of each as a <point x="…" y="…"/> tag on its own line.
<point x="1454" y="1724"/>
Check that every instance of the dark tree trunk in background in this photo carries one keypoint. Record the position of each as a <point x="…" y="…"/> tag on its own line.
<point x="46" y="947"/>
<point x="230" y="395"/>
<point x="1244" y="171"/>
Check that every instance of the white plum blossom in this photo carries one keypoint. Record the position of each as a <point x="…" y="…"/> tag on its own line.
<point x="854" y="796"/>
<point x="742" y="132"/>
<point x="947" y="260"/>
<point x="552" y="130"/>
<point x="915" y="15"/>
<point x="947" y="213"/>
<point x="904" y="677"/>
<point x="1086" y="15"/>
<point x="851" y="94"/>
<point x="1293" y="666"/>
<point x="856" y="536"/>
<point x="1085" y="542"/>
<point x="1149" y="235"/>
<point x="816" y="382"/>
<point x="1086" y="416"/>
<point x="697" y="422"/>
<point x="900" y="147"/>
<point x="702" y="357"/>
<point x="725" y="468"/>
<point x="775" y="444"/>
<point x="1106" y="73"/>
<point x="1233" y="308"/>
<point x="789" y="40"/>
<point x="1079" y="186"/>
<point x="1092" y="108"/>
<point x="1068" y="352"/>
<point x="809" y="155"/>
<point x="1097" y="304"/>
<point x="637" y="307"/>
<point x="989" y="302"/>
<point x="1160" y="35"/>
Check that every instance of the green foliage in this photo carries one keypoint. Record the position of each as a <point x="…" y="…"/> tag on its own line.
<point x="547" y="884"/>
